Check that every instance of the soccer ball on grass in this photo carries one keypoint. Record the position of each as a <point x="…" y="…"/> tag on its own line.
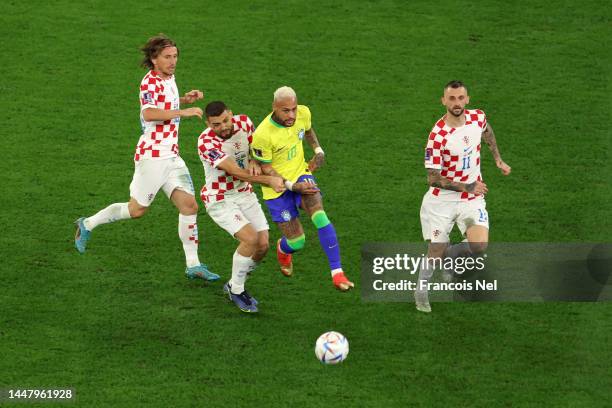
<point x="331" y="348"/>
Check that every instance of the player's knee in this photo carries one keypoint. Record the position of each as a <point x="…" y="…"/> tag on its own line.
<point x="137" y="211"/>
<point x="190" y="208"/>
<point x="297" y="243"/>
<point x="250" y="240"/>
<point x="478" y="248"/>
<point x="436" y="249"/>
<point x="263" y="247"/>
<point x="319" y="219"/>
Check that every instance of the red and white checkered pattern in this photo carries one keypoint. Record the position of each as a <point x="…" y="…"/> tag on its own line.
<point x="456" y="153"/>
<point x="213" y="150"/>
<point x="194" y="233"/>
<point x="159" y="139"/>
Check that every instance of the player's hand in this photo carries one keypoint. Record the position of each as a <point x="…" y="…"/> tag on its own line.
<point x="185" y="113"/>
<point x="194" y="95"/>
<point x="254" y="168"/>
<point x="478" y="188"/>
<point x="305" y="187"/>
<point x="505" y="169"/>
<point x="316" y="162"/>
<point x="277" y="184"/>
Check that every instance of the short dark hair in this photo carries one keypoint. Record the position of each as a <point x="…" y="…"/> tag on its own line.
<point x="455" y="84"/>
<point x="154" y="47"/>
<point x="215" y="108"/>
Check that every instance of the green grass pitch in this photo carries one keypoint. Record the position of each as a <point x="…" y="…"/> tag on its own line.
<point x="122" y="325"/>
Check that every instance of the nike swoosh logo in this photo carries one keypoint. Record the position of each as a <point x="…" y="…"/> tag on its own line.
<point x="333" y="246"/>
<point x="279" y="149"/>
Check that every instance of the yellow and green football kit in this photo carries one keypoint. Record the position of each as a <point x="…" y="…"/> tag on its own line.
<point x="282" y="147"/>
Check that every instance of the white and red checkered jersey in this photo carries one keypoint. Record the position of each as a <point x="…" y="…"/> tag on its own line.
<point x="214" y="149"/>
<point x="456" y="153"/>
<point x="159" y="139"/>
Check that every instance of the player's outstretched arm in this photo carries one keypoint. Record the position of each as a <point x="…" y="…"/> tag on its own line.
<point x="254" y="167"/>
<point x="231" y="167"/>
<point x="319" y="157"/>
<point x="154" y="114"/>
<point x="192" y="96"/>
<point x="266" y="168"/>
<point x="301" y="187"/>
<point x="436" y="179"/>
<point x="489" y="137"/>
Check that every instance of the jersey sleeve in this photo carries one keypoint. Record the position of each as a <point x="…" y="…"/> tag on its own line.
<point x="210" y="151"/>
<point x="261" y="147"/>
<point x="306" y="117"/>
<point x="150" y="93"/>
<point x="482" y="119"/>
<point x="245" y="123"/>
<point x="433" y="151"/>
<point x="477" y="116"/>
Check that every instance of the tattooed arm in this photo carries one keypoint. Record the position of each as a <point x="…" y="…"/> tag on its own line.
<point x="436" y="179"/>
<point x="489" y="138"/>
<point x="319" y="157"/>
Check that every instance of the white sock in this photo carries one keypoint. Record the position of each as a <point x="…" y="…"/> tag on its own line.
<point x="425" y="274"/>
<point x="335" y="271"/>
<point x="253" y="267"/>
<point x="112" y="213"/>
<point x="240" y="266"/>
<point x="188" y="233"/>
<point x="458" y="250"/>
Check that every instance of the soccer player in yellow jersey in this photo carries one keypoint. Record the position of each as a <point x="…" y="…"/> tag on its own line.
<point x="277" y="145"/>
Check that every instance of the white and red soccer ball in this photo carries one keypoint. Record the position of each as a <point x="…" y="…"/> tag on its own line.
<point x="332" y="348"/>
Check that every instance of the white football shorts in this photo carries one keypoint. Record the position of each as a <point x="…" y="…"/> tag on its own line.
<point x="237" y="210"/>
<point x="438" y="217"/>
<point x="152" y="175"/>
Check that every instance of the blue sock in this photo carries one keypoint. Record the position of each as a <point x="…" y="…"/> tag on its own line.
<point x="290" y="246"/>
<point x="285" y="246"/>
<point x="329" y="243"/>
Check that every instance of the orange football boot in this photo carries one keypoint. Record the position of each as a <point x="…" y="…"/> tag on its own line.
<point x="341" y="282"/>
<point x="285" y="261"/>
